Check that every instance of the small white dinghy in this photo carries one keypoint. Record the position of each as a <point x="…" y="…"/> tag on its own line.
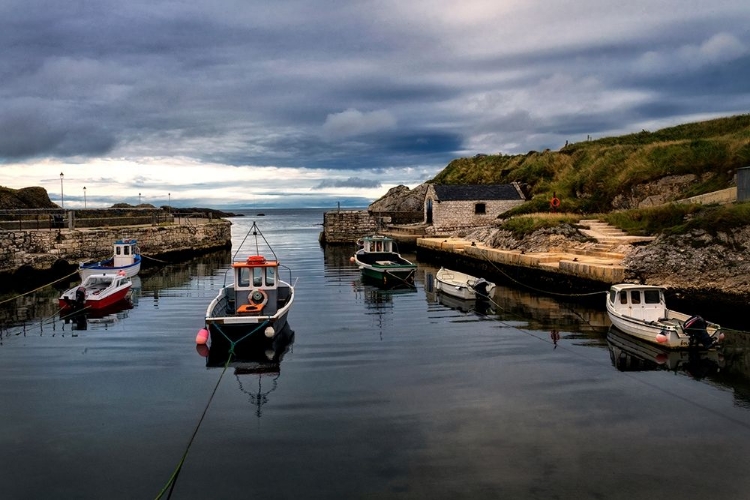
<point x="462" y="285"/>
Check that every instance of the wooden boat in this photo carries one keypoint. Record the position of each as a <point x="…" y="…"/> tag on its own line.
<point x="254" y="306"/>
<point x="640" y="310"/>
<point x="379" y="262"/>
<point x="126" y="256"/>
<point x="462" y="285"/>
<point x="97" y="291"/>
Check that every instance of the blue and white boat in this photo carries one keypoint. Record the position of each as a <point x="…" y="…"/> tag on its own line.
<point x="126" y="257"/>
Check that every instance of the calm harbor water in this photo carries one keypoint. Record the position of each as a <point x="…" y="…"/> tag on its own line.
<point x="376" y="394"/>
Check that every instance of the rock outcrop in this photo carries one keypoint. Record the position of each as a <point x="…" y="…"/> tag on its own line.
<point x="400" y="199"/>
<point x="29" y="197"/>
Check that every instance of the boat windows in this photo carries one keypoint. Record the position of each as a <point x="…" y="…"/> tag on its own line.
<point x="257" y="276"/>
<point x="652" y="296"/>
<point x="635" y="297"/>
<point x="126" y="250"/>
<point x="118" y="251"/>
<point x="612" y="295"/>
<point x="270" y="276"/>
<point x="244" y="279"/>
<point x="623" y="297"/>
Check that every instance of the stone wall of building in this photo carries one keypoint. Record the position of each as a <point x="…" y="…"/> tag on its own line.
<point x="452" y="215"/>
<point x="346" y="226"/>
<point x="43" y="248"/>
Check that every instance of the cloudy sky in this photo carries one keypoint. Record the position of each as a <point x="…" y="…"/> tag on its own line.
<point x="231" y="103"/>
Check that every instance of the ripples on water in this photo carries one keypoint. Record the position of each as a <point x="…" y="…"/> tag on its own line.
<point x="377" y="393"/>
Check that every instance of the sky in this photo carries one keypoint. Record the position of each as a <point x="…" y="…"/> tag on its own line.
<point x="245" y="103"/>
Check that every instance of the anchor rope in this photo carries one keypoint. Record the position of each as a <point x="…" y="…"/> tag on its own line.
<point x="484" y="254"/>
<point x="173" y="478"/>
<point x="39" y="288"/>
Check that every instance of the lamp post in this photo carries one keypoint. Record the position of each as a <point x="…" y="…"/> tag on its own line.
<point x="139" y="198"/>
<point x="62" y="197"/>
<point x="84" y="197"/>
<point x="169" y="202"/>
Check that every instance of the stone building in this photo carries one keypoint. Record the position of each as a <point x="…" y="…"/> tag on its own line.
<point x="450" y="207"/>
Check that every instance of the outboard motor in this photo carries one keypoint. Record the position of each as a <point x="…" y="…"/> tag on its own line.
<point x="695" y="328"/>
<point x="80" y="296"/>
<point x="480" y="287"/>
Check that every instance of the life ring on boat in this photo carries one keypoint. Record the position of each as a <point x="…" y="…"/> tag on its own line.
<point x="257" y="297"/>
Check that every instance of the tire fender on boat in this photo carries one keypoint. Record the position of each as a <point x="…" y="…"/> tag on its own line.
<point x="257" y="297"/>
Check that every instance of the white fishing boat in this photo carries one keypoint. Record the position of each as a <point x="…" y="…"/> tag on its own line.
<point x="126" y="256"/>
<point x="641" y="311"/>
<point x="254" y="306"/>
<point x="97" y="291"/>
<point x="462" y="285"/>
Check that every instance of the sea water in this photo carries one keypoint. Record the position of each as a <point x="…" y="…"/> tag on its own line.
<point x="377" y="394"/>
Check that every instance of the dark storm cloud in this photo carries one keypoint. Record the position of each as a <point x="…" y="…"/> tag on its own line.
<point x="353" y="182"/>
<point x="359" y="86"/>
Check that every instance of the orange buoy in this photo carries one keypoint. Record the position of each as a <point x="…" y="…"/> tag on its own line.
<point x="661" y="338"/>
<point x="202" y="336"/>
<point x="202" y="349"/>
<point x="351" y="259"/>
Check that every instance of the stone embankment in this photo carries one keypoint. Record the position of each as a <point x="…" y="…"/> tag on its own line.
<point x="44" y="249"/>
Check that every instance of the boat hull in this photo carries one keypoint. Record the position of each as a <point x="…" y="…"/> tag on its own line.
<point x="106" y="267"/>
<point x="67" y="300"/>
<point x="225" y="327"/>
<point x="462" y="286"/>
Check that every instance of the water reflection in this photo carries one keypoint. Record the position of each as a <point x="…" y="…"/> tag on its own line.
<point x="629" y="353"/>
<point x="257" y="365"/>
<point x="102" y="318"/>
<point x="481" y="306"/>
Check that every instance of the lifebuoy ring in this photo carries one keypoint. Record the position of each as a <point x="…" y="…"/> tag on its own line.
<point x="554" y="202"/>
<point x="257" y="297"/>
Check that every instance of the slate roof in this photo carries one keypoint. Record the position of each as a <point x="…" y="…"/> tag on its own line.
<point x="476" y="192"/>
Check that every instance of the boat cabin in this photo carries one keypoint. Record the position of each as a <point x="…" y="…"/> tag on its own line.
<point x="256" y="287"/>
<point x="640" y="302"/>
<point x="377" y="244"/>
<point x="125" y="252"/>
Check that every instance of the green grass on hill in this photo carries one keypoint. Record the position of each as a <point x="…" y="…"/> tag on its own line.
<point x="588" y="176"/>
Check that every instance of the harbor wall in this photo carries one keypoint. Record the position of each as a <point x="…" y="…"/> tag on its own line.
<point x="346" y="226"/>
<point x="44" y="249"/>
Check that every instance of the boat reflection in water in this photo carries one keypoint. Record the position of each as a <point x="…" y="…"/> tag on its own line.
<point x="629" y="353"/>
<point x="253" y="359"/>
<point x="97" y="318"/>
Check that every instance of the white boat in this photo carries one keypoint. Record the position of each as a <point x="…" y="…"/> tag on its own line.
<point x="641" y="311"/>
<point x="97" y="291"/>
<point x="462" y="285"/>
<point x="254" y="306"/>
<point x="126" y="256"/>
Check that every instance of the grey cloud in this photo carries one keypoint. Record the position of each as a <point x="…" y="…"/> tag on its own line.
<point x="352" y="182"/>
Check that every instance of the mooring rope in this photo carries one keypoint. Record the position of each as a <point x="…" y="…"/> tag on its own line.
<point x="173" y="478"/>
<point x="40" y="288"/>
<point x="486" y="257"/>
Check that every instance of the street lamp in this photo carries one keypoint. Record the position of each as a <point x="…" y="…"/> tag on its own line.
<point x="62" y="197"/>
<point x="169" y="201"/>
<point x="84" y="197"/>
<point x="139" y="198"/>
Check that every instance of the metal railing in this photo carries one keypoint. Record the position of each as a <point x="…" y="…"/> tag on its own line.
<point x="55" y="218"/>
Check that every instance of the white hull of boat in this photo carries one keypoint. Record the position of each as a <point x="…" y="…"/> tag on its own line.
<point x="649" y="320"/>
<point x="86" y="270"/>
<point x="461" y="285"/>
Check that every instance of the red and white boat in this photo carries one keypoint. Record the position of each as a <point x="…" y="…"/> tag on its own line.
<point x="97" y="291"/>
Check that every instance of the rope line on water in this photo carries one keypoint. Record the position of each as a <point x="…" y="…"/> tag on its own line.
<point x="486" y="257"/>
<point x="173" y="478"/>
<point x="40" y="288"/>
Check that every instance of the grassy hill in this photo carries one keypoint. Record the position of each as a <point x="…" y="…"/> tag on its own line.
<point x="589" y="176"/>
